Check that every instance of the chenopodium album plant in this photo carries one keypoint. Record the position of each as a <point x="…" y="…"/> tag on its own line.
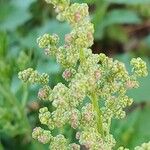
<point x="95" y="76"/>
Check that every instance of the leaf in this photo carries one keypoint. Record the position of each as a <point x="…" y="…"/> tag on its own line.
<point x="3" y="44"/>
<point x="134" y="129"/>
<point x="51" y="26"/>
<point x="54" y="26"/>
<point x="17" y="14"/>
<point x="117" y="16"/>
<point x="123" y="129"/>
<point x="121" y="16"/>
<point x="142" y="126"/>
<point x="147" y="40"/>
<point x="1" y="147"/>
<point x="24" y="4"/>
<point x="117" y="33"/>
<point x="50" y="66"/>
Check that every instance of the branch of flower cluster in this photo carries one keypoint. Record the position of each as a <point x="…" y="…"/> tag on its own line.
<point x="93" y="76"/>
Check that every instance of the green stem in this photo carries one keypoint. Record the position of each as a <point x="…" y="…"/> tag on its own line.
<point x="82" y="57"/>
<point x="98" y="114"/>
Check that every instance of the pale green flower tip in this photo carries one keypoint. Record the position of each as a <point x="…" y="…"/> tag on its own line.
<point x="139" y="67"/>
<point x="47" y="40"/>
<point x="59" y="5"/>
<point x="25" y="74"/>
<point x="44" y="78"/>
<point x="32" y="76"/>
<point x="43" y="110"/>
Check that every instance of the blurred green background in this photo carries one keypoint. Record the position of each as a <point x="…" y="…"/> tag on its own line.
<point x="122" y="31"/>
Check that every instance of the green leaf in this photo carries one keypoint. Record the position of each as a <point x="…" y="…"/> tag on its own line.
<point x="1" y="147"/>
<point x="16" y="13"/>
<point x="120" y="16"/>
<point x="123" y="130"/>
<point x="117" y="16"/>
<point x="142" y="132"/>
<point x="134" y="129"/>
<point x="117" y="33"/>
<point x="50" y="66"/>
<point x="3" y="44"/>
<point x="147" y="40"/>
<point x="51" y="26"/>
<point x="56" y="27"/>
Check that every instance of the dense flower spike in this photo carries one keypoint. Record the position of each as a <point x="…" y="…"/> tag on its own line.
<point x="95" y="91"/>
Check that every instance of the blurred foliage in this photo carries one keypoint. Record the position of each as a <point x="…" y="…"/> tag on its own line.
<point x="122" y="30"/>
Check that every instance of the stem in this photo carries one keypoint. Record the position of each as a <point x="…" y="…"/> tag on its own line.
<point x="98" y="114"/>
<point x="82" y="57"/>
<point x="109" y="124"/>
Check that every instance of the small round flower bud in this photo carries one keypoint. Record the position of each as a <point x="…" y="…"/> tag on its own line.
<point x="44" y="78"/>
<point x="74" y="146"/>
<point x="74" y="118"/>
<point x="77" y="16"/>
<point x="97" y="74"/>
<point x="68" y="74"/>
<point x="24" y="75"/>
<point x="68" y="38"/>
<point x="49" y="43"/>
<point x="41" y="135"/>
<point x="59" y="143"/>
<point x="131" y="84"/>
<point x="44" y="93"/>
<point x="36" y="132"/>
<point x="78" y="135"/>
<point x="47" y="51"/>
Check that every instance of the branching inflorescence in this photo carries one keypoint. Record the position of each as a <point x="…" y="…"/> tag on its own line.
<point x="102" y="80"/>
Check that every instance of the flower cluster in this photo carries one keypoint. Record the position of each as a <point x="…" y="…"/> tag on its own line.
<point x="32" y="76"/>
<point x="92" y="79"/>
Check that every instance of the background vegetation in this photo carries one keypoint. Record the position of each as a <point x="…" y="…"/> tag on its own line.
<point x="122" y="31"/>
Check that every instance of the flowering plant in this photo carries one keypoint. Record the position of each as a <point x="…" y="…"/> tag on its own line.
<point x="102" y="80"/>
